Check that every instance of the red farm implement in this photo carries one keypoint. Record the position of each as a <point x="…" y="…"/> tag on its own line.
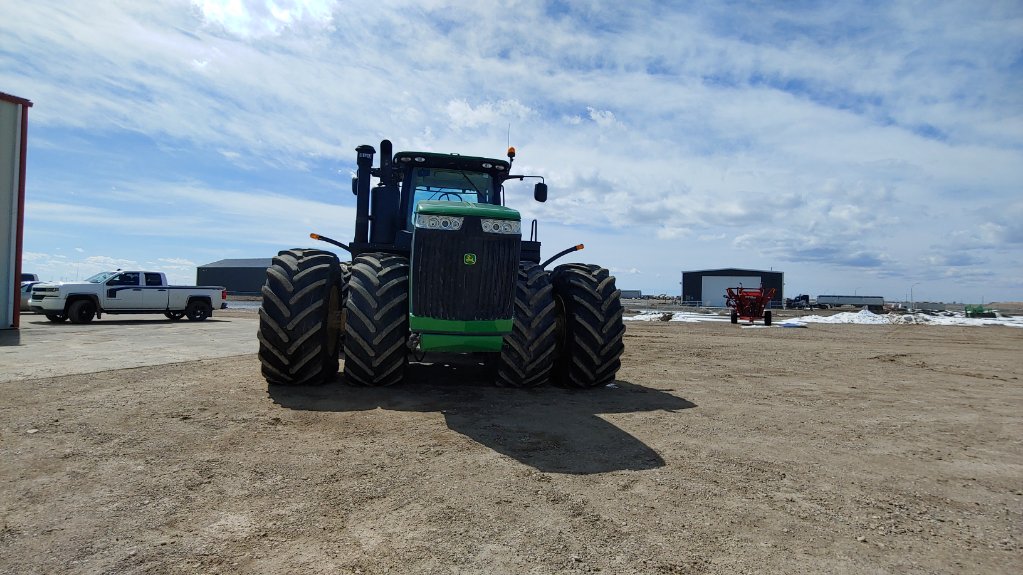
<point x="748" y="304"/>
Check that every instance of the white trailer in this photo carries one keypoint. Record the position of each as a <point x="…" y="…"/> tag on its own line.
<point x="871" y="302"/>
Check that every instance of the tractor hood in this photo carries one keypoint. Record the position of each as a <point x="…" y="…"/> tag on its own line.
<point x="444" y="208"/>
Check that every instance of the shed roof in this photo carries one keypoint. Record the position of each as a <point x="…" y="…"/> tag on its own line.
<point x="240" y="263"/>
<point x="733" y="270"/>
<point x="15" y="100"/>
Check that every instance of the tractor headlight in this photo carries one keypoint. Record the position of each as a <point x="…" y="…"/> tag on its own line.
<point x="432" y="222"/>
<point x="502" y="226"/>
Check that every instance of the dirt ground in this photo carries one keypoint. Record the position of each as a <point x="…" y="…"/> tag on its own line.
<point x="830" y="449"/>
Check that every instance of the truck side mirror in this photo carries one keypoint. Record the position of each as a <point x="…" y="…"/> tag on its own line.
<point x="540" y="192"/>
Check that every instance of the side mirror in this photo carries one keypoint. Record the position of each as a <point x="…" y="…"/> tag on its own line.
<point x="540" y="192"/>
<point x="355" y="186"/>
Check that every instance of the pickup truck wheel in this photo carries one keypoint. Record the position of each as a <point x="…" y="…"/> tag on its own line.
<point x="300" y="318"/>
<point x="198" y="310"/>
<point x="56" y="317"/>
<point x="81" y="311"/>
<point x="174" y="315"/>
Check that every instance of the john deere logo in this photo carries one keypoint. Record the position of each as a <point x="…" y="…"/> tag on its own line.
<point x="469" y="259"/>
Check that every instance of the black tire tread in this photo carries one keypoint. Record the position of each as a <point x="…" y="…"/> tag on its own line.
<point x="376" y="325"/>
<point x="593" y="330"/>
<point x="294" y="323"/>
<point x="527" y="356"/>
<point x="81" y="311"/>
<point x="198" y="310"/>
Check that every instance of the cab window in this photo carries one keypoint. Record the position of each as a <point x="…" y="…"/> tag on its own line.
<point x="153" y="280"/>
<point x="124" y="279"/>
<point x="450" y="186"/>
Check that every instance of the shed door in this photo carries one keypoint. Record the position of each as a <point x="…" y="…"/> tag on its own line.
<point x="714" y="287"/>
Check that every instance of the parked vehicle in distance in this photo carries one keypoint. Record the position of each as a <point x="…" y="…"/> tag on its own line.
<point x="29" y="277"/>
<point x="801" y="301"/>
<point x="26" y="293"/>
<point x="124" y="292"/>
<point x="874" y="303"/>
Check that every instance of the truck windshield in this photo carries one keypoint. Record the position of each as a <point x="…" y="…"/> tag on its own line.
<point x="100" y="277"/>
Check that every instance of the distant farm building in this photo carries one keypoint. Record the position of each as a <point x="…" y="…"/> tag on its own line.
<point x="240" y="277"/>
<point x="632" y="294"/>
<point x="709" y="286"/>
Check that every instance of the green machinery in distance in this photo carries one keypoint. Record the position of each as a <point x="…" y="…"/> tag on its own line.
<point x="438" y="265"/>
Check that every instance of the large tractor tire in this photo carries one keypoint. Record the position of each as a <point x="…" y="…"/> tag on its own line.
<point x="527" y="356"/>
<point x="300" y="318"/>
<point x="591" y="327"/>
<point x="376" y="320"/>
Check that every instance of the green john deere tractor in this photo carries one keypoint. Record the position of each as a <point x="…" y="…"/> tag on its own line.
<point x="438" y="265"/>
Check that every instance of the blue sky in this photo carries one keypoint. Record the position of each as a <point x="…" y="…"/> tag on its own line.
<point x="858" y="147"/>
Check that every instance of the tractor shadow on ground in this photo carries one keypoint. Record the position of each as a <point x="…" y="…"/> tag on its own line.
<point x="551" y="429"/>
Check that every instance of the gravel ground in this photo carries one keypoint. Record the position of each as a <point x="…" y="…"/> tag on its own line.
<point x="830" y="449"/>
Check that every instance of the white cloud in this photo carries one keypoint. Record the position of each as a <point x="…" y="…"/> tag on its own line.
<point x="464" y="115"/>
<point x="250" y="19"/>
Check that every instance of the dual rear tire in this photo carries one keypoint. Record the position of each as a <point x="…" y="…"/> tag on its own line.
<point x="591" y="329"/>
<point x="300" y="318"/>
<point x="376" y="320"/>
<point x="568" y="328"/>
<point x="527" y="354"/>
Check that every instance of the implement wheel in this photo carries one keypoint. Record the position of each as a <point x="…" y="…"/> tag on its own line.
<point x="590" y="322"/>
<point x="300" y="318"/>
<point x="527" y="356"/>
<point x="376" y="320"/>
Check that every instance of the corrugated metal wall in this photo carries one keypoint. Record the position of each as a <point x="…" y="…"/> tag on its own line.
<point x="11" y="115"/>
<point x="238" y="281"/>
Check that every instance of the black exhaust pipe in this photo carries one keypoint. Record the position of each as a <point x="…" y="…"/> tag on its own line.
<point x="364" y="161"/>
<point x="386" y="157"/>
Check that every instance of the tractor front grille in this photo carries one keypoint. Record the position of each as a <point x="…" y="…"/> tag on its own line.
<point x="445" y="286"/>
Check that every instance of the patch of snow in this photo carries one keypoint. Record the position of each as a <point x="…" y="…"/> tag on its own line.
<point x="862" y="317"/>
<point x="792" y="323"/>
<point x="948" y="318"/>
<point x="683" y="316"/>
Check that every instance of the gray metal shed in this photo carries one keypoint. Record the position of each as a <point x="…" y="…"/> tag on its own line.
<point x="708" y="286"/>
<point x="239" y="276"/>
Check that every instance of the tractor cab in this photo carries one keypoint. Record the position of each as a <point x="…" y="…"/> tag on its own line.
<point x="446" y="184"/>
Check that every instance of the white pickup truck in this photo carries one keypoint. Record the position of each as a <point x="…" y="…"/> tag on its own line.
<point x="125" y="292"/>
